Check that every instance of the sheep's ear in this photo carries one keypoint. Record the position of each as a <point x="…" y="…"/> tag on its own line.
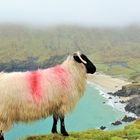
<point x="77" y="59"/>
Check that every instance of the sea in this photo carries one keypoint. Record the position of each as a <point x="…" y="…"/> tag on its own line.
<point x="92" y="111"/>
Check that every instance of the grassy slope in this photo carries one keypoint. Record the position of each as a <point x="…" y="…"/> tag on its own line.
<point x="130" y="132"/>
<point x="115" y="51"/>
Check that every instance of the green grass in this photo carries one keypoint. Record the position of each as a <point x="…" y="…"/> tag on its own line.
<point x="130" y="132"/>
<point x="130" y="72"/>
<point x="104" y="46"/>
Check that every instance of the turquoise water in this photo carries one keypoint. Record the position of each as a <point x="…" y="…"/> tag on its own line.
<point x="90" y="112"/>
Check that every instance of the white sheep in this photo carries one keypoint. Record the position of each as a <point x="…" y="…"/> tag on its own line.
<point x="32" y="95"/>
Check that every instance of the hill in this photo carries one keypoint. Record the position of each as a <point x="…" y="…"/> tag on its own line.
<point x="114" y="51"/>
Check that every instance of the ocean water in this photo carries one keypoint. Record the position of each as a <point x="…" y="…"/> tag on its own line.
<point x="90" y="112"/>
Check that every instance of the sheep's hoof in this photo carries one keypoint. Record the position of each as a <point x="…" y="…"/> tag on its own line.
<point x="54" y="131"/>
<point x="65" y="133"/>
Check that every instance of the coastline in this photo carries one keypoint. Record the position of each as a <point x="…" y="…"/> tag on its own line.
<point x="111" y="84"/>
<point x="105" y="84"/>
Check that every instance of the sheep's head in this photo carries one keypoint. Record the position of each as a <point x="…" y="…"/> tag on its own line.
<point x="81" y="58"/>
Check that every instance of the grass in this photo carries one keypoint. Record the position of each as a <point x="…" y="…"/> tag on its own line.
<point x="108" y="48"/>
<point x="130" y="132"/>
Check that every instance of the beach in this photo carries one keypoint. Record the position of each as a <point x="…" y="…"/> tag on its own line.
<point x="106" y="84"/>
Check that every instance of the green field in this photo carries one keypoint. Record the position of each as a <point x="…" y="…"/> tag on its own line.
<point x="115" y="51"/>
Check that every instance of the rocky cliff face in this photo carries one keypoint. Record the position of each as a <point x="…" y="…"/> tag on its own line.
<point x="134" y="105"/>
<point x="132" y="91"/>
<point x="129" y="90"/>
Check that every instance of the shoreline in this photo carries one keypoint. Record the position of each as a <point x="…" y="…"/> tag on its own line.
<point x="111" y="100"/>
<point x="107" y="82"/>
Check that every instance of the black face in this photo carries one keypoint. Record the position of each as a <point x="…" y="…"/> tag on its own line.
<point x="89" y="65"/>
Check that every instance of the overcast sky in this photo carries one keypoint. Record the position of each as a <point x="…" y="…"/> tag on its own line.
<point x="83" y="12"/>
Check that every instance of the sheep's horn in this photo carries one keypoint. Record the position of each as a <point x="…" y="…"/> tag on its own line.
<point x="78" y="54"/>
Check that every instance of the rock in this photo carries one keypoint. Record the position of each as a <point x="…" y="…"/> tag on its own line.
<point x="102" y="127"/>
<point x="128" y="119"/>
<point x="116" y="123"/>
<point x="110" y="93"/>
<point x="103" y="102"/>
<point x="134" y="106"/>
<point x="132" y="91"/>
<point x="122" y="102"/>
<point x="129" y="90"/>
<point x="110" y="98"/>
<point x="115" y="102"/>
<point x="120" y="93"/>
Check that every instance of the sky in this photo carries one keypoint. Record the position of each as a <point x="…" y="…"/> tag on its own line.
<point x="81" y="12"/>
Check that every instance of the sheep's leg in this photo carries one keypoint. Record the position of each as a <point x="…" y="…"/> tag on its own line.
<point x="63" y="130"/>
<point x="54" y="128"/>
<point x="1" y="135"/>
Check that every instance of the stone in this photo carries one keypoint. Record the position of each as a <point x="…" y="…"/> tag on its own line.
<point x="102" y="127"/>
<point x="117" y="123"/>
<point x="128" y="119"/>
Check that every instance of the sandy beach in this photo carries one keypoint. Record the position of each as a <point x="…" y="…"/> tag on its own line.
<point x="106" y="84"/>
<point x="110" y="84"/>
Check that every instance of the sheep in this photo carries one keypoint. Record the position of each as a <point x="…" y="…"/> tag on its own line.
<point x="32" y="95"/>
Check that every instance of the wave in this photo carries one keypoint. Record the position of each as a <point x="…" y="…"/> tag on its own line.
<point x="111" y="100"/>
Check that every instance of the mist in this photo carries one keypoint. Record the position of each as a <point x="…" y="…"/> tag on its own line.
<point x="81" y="12"/>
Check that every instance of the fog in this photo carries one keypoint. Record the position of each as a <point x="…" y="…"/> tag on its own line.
<point x="81" y="12"/>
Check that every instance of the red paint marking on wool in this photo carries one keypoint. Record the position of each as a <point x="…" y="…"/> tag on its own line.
<point x="34" y="85"/>
<point x="62" y="76"/>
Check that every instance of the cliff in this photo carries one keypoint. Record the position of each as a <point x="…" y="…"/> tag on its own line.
<point x="132" y="91"/>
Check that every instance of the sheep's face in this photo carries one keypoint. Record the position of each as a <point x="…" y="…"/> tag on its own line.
<point x="81" y="58"/>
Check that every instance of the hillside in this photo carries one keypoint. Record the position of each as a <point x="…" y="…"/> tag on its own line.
<point x="115" y="51"/>
<point x="130" y="132"/>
